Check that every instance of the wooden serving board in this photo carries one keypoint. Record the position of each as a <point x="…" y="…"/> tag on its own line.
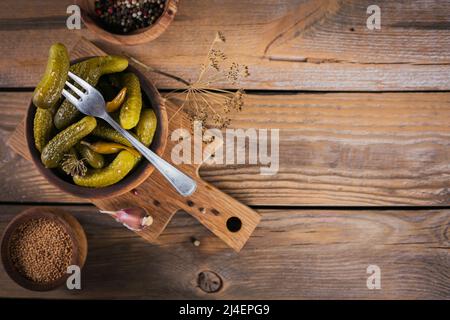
<point x="208" y="205"/>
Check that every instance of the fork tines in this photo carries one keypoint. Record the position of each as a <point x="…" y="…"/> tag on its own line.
<point x="83" y="84"/>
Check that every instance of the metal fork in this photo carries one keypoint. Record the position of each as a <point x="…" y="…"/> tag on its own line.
<point x="91" y="103"/>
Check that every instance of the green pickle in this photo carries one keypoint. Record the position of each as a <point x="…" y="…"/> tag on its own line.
<point x="112" y="64"/>
<point x="90" y="70"/>
<point x="113" y="173"/>
<point x="42" y="127"/>
<point x="94" y="159"/>
<point x="54" y="151"/>
<point x="48" y="91"/>
<point x="105" y="131"/>
<point x="131" y="107"/>
<point x="146" y="127"/>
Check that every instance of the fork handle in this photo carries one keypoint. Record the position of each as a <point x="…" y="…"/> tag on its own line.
<point x="184" y="184"/>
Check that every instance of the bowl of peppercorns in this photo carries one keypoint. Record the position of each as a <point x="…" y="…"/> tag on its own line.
<point x="127" y="22"/>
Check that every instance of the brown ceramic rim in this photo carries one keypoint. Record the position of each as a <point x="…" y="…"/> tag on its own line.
<point x="134" y="178"/>
<point x="14" y="274"/>
<point x="136" y="37"/>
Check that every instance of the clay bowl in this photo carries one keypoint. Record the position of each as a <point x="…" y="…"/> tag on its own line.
<point x="151" y="98"/>
<point x="133" y="38"/>
<point x="69" y="224"/>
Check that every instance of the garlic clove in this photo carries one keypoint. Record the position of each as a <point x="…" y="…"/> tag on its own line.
<point x="135" y="219"/>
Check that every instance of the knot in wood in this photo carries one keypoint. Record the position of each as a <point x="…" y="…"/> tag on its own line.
<point x="209" y="281"/>
<point x="447" y="233"/>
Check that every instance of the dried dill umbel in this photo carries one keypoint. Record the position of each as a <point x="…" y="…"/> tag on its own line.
<point x="73" y="166"/>
<point x="204" y="103"/>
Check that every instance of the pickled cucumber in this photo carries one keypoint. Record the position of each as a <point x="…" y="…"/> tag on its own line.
<point x="146" y="127"/>
<point x="112" y="64"/>
<point x="48" y="91"/>
<point x="94" y="159"/>
<point x="54" y="151"/>
<point x="116" y="171"/>
<point x="131" y="108"/>
<point x="90" y="70"/>
<point x="105" y="131"/>
<point x="42" y="127"/>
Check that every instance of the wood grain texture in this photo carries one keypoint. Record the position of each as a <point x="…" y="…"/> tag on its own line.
<point x="20" y="180"/>
<point x="335" y="149"/>
<point x="293" y="255"/>
<point x="293" y="45"/>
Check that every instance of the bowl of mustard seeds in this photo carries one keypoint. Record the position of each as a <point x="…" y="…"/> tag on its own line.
<point x="39" y="245"/>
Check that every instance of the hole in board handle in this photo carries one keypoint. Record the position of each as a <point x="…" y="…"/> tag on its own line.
<point x="234" y="224"/>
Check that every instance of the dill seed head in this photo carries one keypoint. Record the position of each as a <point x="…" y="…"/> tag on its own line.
<point x="221" y="121"/>
<point x="215" y="57"/>
<point x="219" y="37"/>
<point x="73" y="166"/>
<point x="236" y="72"/>
<point x="238" y="100"/>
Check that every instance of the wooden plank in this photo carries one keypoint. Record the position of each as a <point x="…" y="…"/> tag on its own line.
<point x="290" y="45"/>
<point x="335" y="149"/>
<point x="292" y="255"/>
<point x="20" y="179"/>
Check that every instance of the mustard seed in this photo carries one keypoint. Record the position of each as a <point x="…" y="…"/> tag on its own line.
<point x="41" y="250"/>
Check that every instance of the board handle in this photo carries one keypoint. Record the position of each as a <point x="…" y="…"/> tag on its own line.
<point x="227" y="218"/>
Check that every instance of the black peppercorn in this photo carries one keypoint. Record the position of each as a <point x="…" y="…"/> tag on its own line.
<point x="128" y="15"/>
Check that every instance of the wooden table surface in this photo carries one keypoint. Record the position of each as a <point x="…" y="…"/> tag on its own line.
<point x="364" y="142"/>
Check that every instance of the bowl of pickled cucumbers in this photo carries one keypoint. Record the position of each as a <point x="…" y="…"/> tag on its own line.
<point x="83" y="155"/>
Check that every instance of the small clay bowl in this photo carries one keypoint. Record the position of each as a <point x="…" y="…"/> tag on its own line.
<point x="151" y="98"/>
<point x="139" y="36"/>
<point x="65" y="220"/>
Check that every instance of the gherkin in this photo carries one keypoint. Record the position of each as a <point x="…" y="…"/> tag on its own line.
<point x="131" y="107"/>
<point x="48" y="91"/>
<point x="113" y="173"/>
<point x="90" y="70"/>
<point x="146" y="127"/>
<point x="54" y="151"/>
